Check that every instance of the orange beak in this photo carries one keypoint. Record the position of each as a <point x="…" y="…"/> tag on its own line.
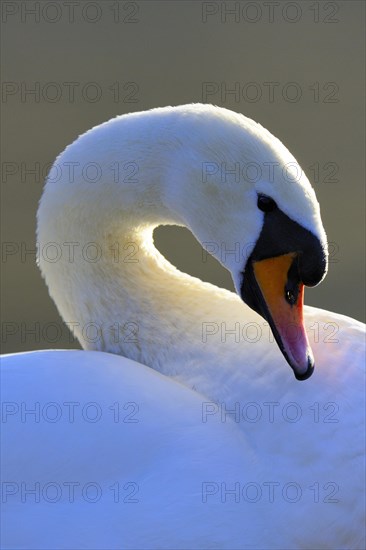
<point x="283" y="298"/>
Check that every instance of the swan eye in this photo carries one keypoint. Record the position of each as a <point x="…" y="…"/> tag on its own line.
<point x="266" y="204"/>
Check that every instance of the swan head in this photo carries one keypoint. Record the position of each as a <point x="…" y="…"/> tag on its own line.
<point x="255" y="210"/>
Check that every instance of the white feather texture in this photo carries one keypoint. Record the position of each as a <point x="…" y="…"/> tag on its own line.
<point x="300" y="443"/>
<point x="170" y="149"/>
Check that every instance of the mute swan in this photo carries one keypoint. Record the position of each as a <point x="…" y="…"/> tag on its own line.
<point x="242" y="423"/>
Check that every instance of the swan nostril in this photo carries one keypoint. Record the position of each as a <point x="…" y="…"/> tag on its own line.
<point x="290" y="297"/>
<point x="292" y="286"/>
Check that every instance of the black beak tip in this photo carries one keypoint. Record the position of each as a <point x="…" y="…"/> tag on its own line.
<point x="305" y="375"/>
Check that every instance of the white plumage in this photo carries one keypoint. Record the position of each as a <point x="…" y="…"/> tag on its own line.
<point x="298" y="445"/>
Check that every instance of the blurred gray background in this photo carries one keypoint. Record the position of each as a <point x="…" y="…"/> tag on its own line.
<point x="297" y="68"/>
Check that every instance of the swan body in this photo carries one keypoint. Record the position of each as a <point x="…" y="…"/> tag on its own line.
<point x="175" y="467"/>
<point x="228" y="411"/>
<point x="149" y="432"/>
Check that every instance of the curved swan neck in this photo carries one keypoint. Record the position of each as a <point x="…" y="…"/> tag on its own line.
<point x="166" y="166"/>
<point x="111" y="285"/>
